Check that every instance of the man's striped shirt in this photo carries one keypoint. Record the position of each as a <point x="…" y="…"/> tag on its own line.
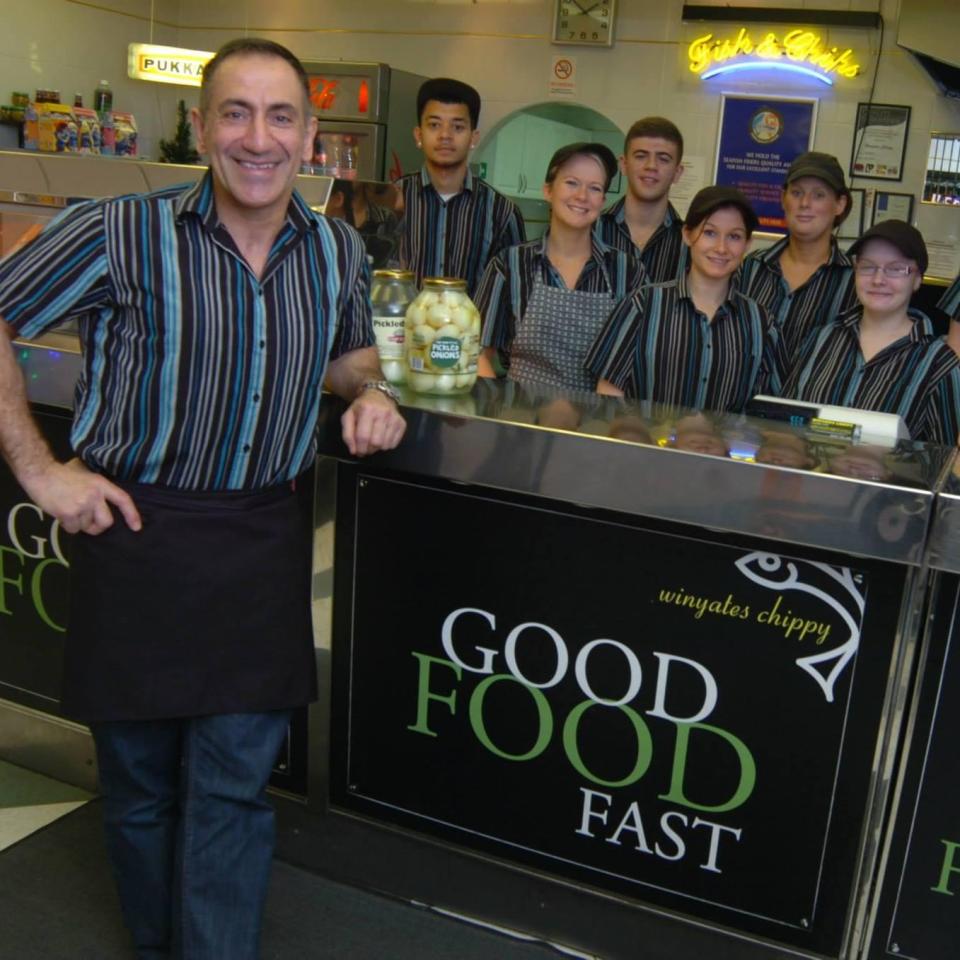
<point x="196" y="374"/>
<point x="510" y="277"/>
<point x="950" y="301"/>
<point x="658" y="346"/>
<point x="917" y="377"/>
<point x="457" y="237"/>
<point x="664" y="255"/>
<point x="829" y="292"/>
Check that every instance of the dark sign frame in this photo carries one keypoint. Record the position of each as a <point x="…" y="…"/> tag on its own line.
<point x="916" y="916"/>
<point x="364" y="750"/>
<point x="33" y="613"/>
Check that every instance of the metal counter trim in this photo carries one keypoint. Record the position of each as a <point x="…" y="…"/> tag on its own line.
<point x="944" y="545"/>
<point x="859" y="518"/>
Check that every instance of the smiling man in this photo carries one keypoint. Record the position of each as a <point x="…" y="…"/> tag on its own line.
<point x="644" y="221"/>
<point x="454" y="224"/>
<point x="210" y="317"/>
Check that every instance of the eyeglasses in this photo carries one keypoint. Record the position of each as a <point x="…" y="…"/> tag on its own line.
<point x="895" y="271"/>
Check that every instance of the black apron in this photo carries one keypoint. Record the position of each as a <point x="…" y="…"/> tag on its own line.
<point x="206" y="610"/>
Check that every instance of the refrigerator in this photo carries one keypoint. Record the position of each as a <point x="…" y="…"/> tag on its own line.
<point x="366" y="114"/>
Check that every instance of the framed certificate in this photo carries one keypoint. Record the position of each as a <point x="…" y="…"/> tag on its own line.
<point x="879" y="141"/>
<point x="892" y="206"/>
<point x="854" y="225"/>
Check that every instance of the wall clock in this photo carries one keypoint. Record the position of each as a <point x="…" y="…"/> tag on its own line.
<point x="588" y="22"/>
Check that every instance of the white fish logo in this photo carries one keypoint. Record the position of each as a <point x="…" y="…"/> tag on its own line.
<point x="759" y="567"/>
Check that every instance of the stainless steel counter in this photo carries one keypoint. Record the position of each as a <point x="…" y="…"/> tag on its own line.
<point x="860" y="500"/>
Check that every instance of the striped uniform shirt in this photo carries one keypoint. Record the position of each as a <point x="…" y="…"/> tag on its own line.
<point x="918" y="376"/>
<point x="829" y="292"/>
<point x="950" y="301"/>
<point x="658" y="346"/>
<point x="509" y="279"/>
<point x="457" y="237"/>
<point x="664" y="255"/>
<point x="196" y="374"/>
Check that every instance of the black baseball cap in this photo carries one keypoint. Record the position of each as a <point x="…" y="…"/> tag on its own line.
<point x="708" y="199"/>
<point x="823" y="166"/>
<point x="908" y="240"/>
<point x="583" y="149"/>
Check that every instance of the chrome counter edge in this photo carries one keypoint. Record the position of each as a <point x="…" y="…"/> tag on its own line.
<point x="856" y="517"/>
<point x="944" y="546"/>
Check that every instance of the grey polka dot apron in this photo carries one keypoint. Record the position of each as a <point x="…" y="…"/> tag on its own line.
<point x="554" y="335"/>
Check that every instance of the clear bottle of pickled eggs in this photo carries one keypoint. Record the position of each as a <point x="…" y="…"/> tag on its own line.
<point x="391" y="292"/>
<point x="442" y="338"/>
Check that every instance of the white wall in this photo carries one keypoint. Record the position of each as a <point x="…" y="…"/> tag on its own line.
<point x="502" y="47"/>
<point x="56" y="44"/>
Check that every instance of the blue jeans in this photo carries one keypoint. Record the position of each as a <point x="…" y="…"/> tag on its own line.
<point x="189" y="829"/>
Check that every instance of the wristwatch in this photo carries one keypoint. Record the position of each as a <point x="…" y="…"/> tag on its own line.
<point x="384" y="386"/>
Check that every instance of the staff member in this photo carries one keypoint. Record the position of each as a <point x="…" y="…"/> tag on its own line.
<point x="693" y="342"/>
<point x="209" y="316"/>
<point x="453" y="223"/>
<point x="544" y="302"/>
<point x="879" y="355"/>
<point x="644" y="221"/>
<point x="804" y="280"/>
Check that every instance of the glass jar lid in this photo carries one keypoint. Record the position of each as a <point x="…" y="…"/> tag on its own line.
<point x="394" y="274"/>
<point x="446" y="283"/>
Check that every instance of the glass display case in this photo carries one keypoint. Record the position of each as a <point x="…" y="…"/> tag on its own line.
<point x="553" y="608"/>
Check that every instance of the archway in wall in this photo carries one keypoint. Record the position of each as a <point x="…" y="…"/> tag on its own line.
<point x="513" y="157"/>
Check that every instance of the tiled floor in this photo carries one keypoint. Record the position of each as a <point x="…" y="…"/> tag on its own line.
<point x="57" y="897"/>
<point x="29" y="801"/>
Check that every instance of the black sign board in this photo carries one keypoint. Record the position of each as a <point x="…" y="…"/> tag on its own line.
<point x="34" y="565"/>
<point x="918" y="916"/>
<point x="637" y="706"/>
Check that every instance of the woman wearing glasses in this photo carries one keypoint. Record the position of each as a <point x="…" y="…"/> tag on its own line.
<point x="878" y="355"/>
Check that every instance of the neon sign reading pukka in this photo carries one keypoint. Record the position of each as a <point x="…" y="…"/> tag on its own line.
<point x="709" y="55"/>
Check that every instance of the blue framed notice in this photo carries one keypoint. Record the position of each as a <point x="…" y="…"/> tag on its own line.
<point x="759" y="138"/>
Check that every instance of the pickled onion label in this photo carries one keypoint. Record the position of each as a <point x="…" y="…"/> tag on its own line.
<point x="444" y="352"/>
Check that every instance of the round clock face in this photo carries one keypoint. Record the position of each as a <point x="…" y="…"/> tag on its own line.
<point x="583" y="21"/>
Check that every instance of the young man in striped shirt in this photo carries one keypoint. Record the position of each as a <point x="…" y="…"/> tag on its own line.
<point x="210" y="317"/>
<point x="453" y="223"/>
<point x="644" y="221"/>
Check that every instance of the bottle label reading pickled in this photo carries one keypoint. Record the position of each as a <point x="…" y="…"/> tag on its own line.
<point x="391" y="294"/>
<point x="389" y="334"/>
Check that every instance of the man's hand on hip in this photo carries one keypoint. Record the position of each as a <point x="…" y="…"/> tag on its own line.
<point x="79" y="498"/>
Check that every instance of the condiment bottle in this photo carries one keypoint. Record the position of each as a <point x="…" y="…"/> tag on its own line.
<point x="103" y="97"/>
<point x="391" y="293"/>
